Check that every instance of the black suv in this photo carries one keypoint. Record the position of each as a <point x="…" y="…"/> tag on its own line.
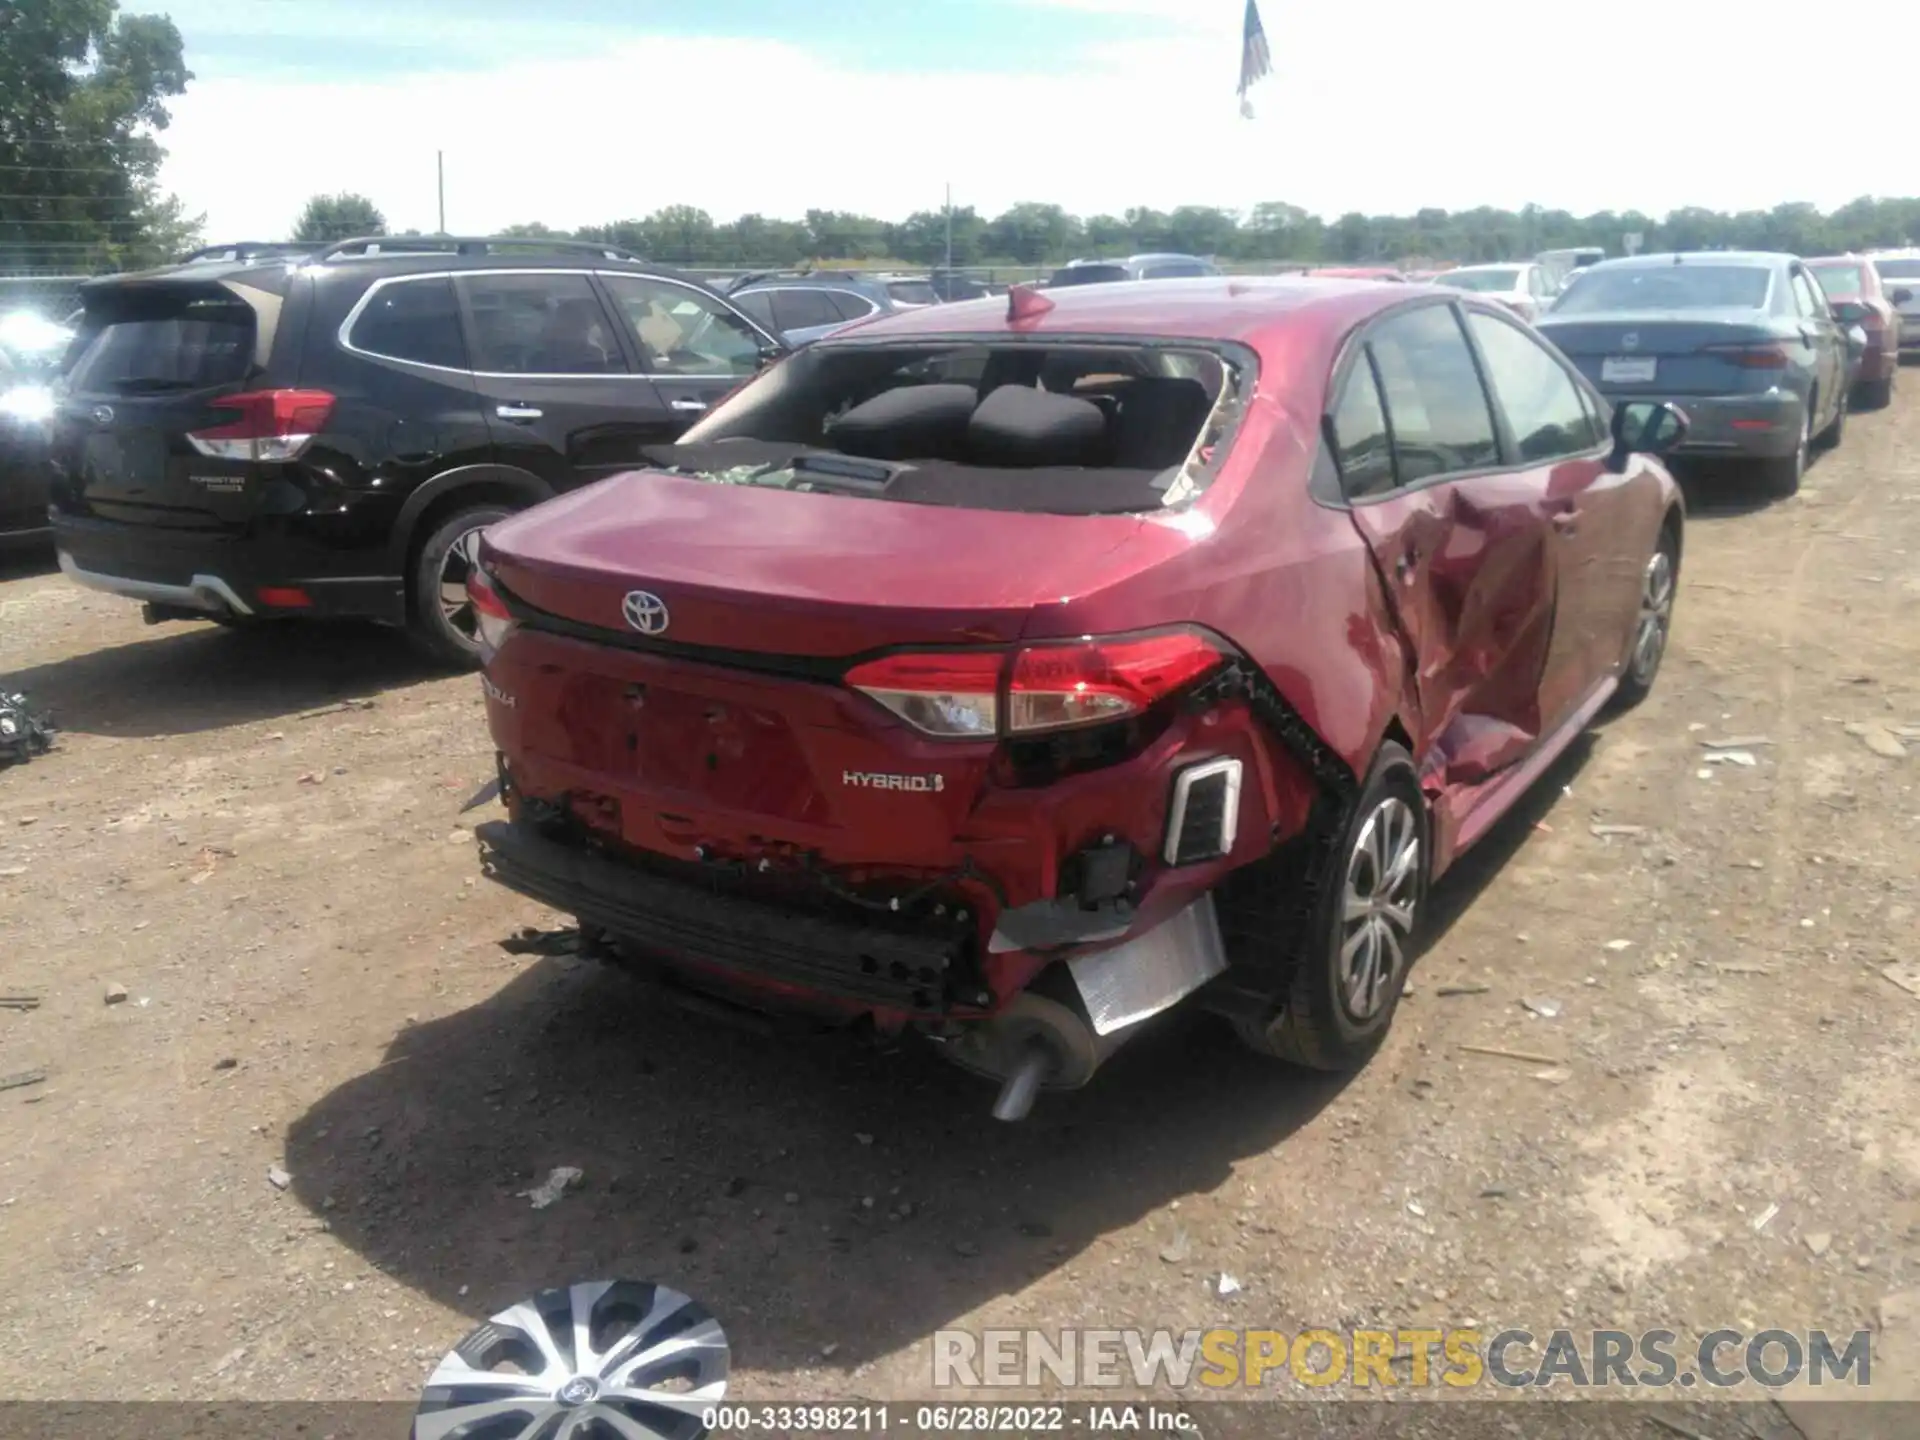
<point x="271" y="436"/>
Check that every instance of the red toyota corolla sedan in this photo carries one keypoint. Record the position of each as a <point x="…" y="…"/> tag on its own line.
<point x="1013" y="670"/>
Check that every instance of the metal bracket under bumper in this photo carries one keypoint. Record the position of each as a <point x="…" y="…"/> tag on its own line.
<point x="206" y="593"/>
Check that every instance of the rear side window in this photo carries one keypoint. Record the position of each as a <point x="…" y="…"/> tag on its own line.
<point x="801" y="309"/>
<point x="1898" y="269"/>
<point x="852" y="306"/>
<point x="154" y="345"/>
<point x="1360" y="435"/>
<point x="540" y="325"/>
<point x="1435" y="402"/>
<point x="1541" y="402"/>
<point x="417" y="320"/>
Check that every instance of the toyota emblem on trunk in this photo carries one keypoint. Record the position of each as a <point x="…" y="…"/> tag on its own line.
<point x="1630" y="340"/>
<point x="645" y="612"/>
<point x="102" y="414"/>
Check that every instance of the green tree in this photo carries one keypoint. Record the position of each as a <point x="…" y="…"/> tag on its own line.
<point x="83" y="91"/>
<point x="339" y="217"/>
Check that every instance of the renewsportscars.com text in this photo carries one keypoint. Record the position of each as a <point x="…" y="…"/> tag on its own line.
<point x="1223" y="1360"/>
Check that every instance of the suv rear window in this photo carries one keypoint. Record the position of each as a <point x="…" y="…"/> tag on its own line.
<point x="1898" y="269"/>
<point x="150" y="344"/>
<point x="1087" y="428"/>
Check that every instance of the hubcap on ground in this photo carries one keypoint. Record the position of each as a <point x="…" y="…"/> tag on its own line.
<point x="1656" y="614"/>
<point x="601" y="1359"/>
<point x="1377" y="908"/>
<point x="463" y="558"/>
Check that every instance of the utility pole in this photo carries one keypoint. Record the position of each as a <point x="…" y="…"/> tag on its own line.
<point x="949" y="228"/>
<point x="440" y="163"/>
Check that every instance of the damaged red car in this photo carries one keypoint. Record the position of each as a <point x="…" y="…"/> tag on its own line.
<point x="1011" y="671"/>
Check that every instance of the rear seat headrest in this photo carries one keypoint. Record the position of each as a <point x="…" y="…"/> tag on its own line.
<point x="1022" y="427"/>
<point x="914" y="422"/>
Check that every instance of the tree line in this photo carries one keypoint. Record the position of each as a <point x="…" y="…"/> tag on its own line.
<point x="83" y="92"/>
<point x="1034" y="234"/>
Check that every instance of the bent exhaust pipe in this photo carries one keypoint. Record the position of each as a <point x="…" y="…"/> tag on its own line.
<point x="1022" y="1087"/>
<point x="1039" y="1042"/>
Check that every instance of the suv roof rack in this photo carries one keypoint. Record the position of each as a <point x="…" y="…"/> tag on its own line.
<point x="364" y="245"/>
<point x="249" y="250"/>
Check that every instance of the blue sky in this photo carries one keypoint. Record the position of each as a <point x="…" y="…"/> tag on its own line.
<point x="572" y="112"/>
<point x="401" y="38"/>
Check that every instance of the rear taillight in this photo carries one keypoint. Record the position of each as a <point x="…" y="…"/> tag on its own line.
<point x="492" y="620"/>
<point x="1751" y="357"/>
<point x="1039" y="688"/>
<point x="272" y="425"/>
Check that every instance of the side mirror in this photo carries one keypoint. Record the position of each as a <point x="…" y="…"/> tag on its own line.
<point x="771" y="353"/>
<point x="1901" y="297"/>
<point x="1849" y="312"/>
<point x="1648" y="427"/>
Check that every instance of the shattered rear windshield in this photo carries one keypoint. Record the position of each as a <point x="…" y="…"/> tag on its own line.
<point x="1075" y="429"/>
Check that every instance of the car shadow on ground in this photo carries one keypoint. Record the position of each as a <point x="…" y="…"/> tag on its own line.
<point x="1470" y="875"/>
<point x="814" y="1191"/>
<point x="200" y="677"/>
<point x="25" y="561"/>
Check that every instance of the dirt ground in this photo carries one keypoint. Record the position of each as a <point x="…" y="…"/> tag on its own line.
<point x="260" y="841"/>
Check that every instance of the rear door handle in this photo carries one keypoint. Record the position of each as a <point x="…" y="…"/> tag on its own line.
<point x="693" y="407"/>
<point x="519" y="414"/>
<point x="1567" y="522"/>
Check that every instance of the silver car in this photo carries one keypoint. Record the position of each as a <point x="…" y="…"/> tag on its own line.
<point x="1900" y="271"/>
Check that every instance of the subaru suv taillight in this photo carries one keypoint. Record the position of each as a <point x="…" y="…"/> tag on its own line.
<point x="274" y="425"/>
<point x="492" y="620"/>
<point x="1038" y="688"/>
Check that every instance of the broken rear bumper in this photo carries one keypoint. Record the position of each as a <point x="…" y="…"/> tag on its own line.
<point x="912" y="968"/>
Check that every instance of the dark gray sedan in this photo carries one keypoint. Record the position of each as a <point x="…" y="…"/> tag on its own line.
<point x="1745" y="343"/>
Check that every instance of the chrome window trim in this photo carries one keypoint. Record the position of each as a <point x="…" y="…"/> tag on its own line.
<point x="341" y="336"/>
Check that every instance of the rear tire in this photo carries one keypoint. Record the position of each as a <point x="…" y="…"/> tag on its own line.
<point x="1647" y="645"/>
<point x="1782" y="477"/>
<point x="1365" y="931"/>
<point x="1876" y="394"/>
<point x="441" y="623"/>
<point x="1836" y="431"/>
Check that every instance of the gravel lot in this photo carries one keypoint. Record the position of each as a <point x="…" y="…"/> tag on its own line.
<point x="259" y="839"/>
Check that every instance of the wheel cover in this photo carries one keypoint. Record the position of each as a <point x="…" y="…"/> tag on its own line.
<point x="456" y="608"/>
<point x="1656" y="615"/>
<point x="1379" y="905"/>
<point x="601" y="1359"/>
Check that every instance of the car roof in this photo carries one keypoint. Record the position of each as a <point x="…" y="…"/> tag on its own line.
<point x="1487" y="265"/>
<point x="1205" y="308"/>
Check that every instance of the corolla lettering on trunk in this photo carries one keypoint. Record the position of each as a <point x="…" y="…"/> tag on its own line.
<point x="496" y="693"/>
<point x="879" y="780"/>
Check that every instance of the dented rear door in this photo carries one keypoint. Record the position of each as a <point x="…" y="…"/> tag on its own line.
<point x="1462" y="545"/>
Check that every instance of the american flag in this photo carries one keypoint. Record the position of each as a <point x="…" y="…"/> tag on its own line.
<point x="1255" y="59"/>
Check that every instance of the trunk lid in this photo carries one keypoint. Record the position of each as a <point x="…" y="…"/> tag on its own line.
<point x="151" y="360"/>
<point x="1663" y="352"/>
<point x="766" y="571"/>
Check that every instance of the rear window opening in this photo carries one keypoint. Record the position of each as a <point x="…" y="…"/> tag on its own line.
<point x="1080" y="429"/>
<point x="154" y="344"/>
<point x="1898" y="269"/>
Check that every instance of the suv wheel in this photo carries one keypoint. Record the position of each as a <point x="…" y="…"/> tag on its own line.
<point x="1362" y="940"/>
<point x="443" y="621"/>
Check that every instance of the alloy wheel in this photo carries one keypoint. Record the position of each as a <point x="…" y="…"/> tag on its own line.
<point x="606" y="1360"/>
<point x="462" y="559"/>
<point x="1656" y="615"/>
<point x="1378" y="907"/>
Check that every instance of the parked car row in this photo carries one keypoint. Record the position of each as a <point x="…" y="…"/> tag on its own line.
<point x="1007" y="672"/>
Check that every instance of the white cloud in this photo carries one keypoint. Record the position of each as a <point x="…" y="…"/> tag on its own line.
<point x="1653" y="104"/>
